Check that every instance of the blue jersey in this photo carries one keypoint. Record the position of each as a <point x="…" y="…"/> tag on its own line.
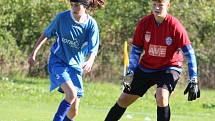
<point x="74" y="40"/>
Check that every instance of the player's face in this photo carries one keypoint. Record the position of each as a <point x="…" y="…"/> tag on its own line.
<point x="77" y="8"/>
<point x="159" y="9"/>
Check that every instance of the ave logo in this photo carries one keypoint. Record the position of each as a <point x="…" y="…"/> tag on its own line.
<point x="157" y="50"/>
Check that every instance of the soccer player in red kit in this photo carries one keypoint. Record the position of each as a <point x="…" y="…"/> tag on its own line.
<point x="158" y="46"/>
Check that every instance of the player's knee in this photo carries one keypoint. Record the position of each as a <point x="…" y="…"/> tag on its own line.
<point x="123" y="102"/>
<point x="71" y="96"/>
<point x="126" y="99"/>
<point x="73" y="113"/>
<point x="162" y="101"/>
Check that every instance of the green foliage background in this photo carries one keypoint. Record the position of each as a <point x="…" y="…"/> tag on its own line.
<point x="22" y="22"/>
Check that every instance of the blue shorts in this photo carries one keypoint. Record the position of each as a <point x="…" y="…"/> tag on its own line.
<point x="59" y="72"/>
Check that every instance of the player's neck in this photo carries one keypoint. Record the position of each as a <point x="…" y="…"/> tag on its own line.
<point x="80" y="17"/>
<point x="159" y="19"/>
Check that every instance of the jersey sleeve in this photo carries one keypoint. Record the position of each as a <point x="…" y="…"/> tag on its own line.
<point x="138" y="35"/>
<point x="191" y="60"/>
<point x="134" y="58"/>
<point x="181" y="35"/>
<point x="51" y="30"/>
<point x="93" y="39"/>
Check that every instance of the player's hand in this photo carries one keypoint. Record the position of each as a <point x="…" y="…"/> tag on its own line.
<point x="192" y="90"/>
<point x="87" y="66"/>
<point x="128" y="76"/>
<point x="127" y="79"/>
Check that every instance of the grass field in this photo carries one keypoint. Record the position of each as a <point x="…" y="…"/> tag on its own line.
<point x="29" y="99"/>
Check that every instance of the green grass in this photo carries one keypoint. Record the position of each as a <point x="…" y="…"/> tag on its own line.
<point x="29" y="99"/>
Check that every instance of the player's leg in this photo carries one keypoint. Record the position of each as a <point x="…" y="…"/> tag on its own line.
<point x="70" y="96"/>
<point x="70" y="91"/>
<point x="162" y="99"/>
<point x="138" y="88"/>
<point x="119" y="108"/>
<point x="163" y="93"/>
<point x="73" y="111"/>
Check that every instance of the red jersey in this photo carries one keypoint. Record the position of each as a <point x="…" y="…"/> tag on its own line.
<point x="161" y="42"/>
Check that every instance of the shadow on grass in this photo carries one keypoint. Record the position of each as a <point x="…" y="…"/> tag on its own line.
<point x="208" y="106"/>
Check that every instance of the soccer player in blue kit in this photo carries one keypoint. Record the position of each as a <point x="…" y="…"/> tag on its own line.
<point x="77" y="36"/>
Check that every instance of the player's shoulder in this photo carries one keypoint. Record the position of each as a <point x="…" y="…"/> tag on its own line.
<point x="173" y="20"/>
<point x="91" y="20"/>
<point x="63" y="14"/>
<point x="175" y="23"/>
<point x="145" y="19"/>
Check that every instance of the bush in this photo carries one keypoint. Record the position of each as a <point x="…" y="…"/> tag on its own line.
<point x="12" y="61"/>
<point x="24" y="21"/>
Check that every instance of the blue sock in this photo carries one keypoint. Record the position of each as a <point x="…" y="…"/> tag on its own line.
<point x="62" y="111"/>
<point x="67" y="119"/>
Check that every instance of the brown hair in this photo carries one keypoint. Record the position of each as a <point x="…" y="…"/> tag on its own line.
<point x="94" y="4"/>
<point x="162" y="0"/>
<point x="91" y="4"/>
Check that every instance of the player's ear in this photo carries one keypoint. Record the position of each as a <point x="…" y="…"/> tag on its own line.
<point x="168" y="6"/>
